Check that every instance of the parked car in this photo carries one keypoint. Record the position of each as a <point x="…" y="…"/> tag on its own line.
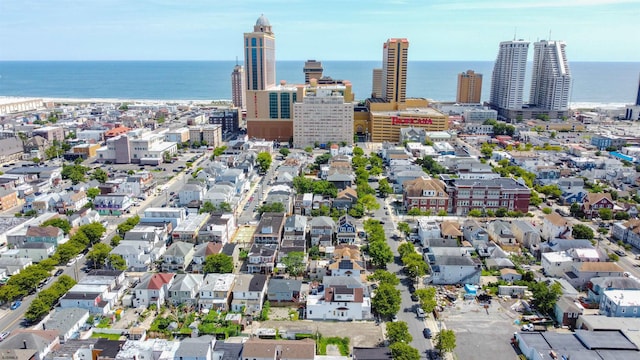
<point x="16" y="304"/>
<point x="59" y="272"/>
<point x="527" y="327"/>
<point x="71" y="262"/>
<point x="4" y="335"/>
<point x="79" y="256"/>
<point x="420" y="313"/>
<point x="414" y="297"/>
<point x="427" y="333"/>
<point x="620" y="253"/>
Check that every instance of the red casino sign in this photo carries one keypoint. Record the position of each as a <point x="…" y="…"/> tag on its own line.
<point x="410" y="121"/>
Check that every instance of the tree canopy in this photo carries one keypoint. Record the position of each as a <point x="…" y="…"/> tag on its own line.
<point x="402" y="351"/>
<point x="264" y="161"/>
<point x="384" y="277"/>
<point x="445" y="341"/>
<point x="218" y="263"/>
<point x="294" y="263"/>
<point x="398" y="332"/>
<point x="62" y="224"/>
<point x="581" y="231"/>
<point x="272" y="207"/>
<point x="386" y="301"/>
<point x="98" y="254"/>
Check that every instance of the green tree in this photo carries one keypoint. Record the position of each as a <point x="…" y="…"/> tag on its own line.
<point x="427" y="298"/>
<point x="384" y="277"/>
<point x="115" y="240"/>
<point x="166" y="157"/>
<point x="37" y="310"/>
<point x="475" y="213"/>
<point x="36" y="160"/>
<point x="9" y="293"/>
<point x="545" y="296"/>
<point x="224" y="207"/>
<point x="92" y="193"/>
<point x="93" y="231"/>
<point x="404" y="228"/>
<point x="398" y="332"/>
<point x="294" y="263"/>
<point x="405" y="249"/>
<point x="487" y="150"/>
<point x="129" y="224"/>
<point x="117" y="262"/>
<point x="76" y="173"/>
<point x="207" y="207"/>
<point x="100" y="176"/>
<point x="605" y="213"/>
<point x="414" y="265"/>
<point x="276" y="207"/>
<point x="375" y="171"/>
<point x="384" y="188"/>
<point x="547" y="210"/>
<point x="264" y="161"/>
<point x="219" y="150"/>
<point x="445" y="341"/>
<point x="62" y="224"/>
<point x="369" y="202"/>
<point x="308" y="149"/>
<point x="414" y="212"/>
<point x="218" y="264"/>
<point x="386" y="301"/>
<point x="620" y="215"/>
<point x="380" y="254"/>
<point x="98" y="254"/>
<point x="358" y="151"/>
<point x="581" y="231"/>
<point x="402" y="351"/>
<point x="284" y="152"/>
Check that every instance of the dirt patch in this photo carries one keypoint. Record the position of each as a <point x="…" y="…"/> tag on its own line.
<point x="360" y="333"/>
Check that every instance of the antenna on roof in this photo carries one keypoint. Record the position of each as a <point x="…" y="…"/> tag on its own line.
<point x="549" y="34"/>
<point x="515" y="30"/>
<point x="236" y="61"/>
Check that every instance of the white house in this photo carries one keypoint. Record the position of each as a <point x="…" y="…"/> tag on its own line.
<point x="215" y="291"/>
<point x="152" y="289"/>
<point x="249" y="292"/>
<point x="554" y="226"/>
<point x="556" y="263"/>
<point x="343" y="298"/>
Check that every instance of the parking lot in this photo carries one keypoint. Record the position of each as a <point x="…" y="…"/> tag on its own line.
<point x="482" y="333"/>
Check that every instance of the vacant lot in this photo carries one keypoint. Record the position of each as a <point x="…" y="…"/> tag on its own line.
<point x="482" y="333"/>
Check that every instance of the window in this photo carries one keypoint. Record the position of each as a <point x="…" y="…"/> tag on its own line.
<point x="273" y="105"/>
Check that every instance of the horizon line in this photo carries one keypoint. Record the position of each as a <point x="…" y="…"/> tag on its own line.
<point x="287" y="60"/>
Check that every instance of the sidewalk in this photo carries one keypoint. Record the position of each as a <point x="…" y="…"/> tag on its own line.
<point x="436" y="327"/>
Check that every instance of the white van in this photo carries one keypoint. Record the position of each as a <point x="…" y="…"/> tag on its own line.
<point x="420" y="313"/>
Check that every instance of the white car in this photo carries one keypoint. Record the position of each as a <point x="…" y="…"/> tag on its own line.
<point x="527" y="327"/>
<point x="71" y="262"/>
<point x="4" y="335"/>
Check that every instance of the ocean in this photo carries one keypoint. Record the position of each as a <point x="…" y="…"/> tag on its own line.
<point x="594" y="82"/>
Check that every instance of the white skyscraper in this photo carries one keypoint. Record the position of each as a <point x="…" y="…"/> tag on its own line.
<point x="507" y="82"/>
<point x="551" y="78"/>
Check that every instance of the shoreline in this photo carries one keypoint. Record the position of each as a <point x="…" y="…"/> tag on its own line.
<point x="8" y="99"/>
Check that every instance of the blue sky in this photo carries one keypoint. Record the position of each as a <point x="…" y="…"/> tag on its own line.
<point x="595" y="30"/>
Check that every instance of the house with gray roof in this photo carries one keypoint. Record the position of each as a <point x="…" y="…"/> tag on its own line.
<point x="322" y="230"/>
<point x="527" y="235"/>
<point x="26" y="344"/>
<point x="474" y="233"/>
<point x="215" y="291"/>
<point x="295" y="228"/>
<point x="67" y="322"/>
<point x="227" y="351"/>
<point x="178" y="257"/>
<point x="284" y="290"/>
<point x="449" y="270"/>
<point x="249" y="293"/>
<point x="500" y="232"/>
<point x="262" y="258"/>
<point x="185" y="289"/>
<point x="198" y="348"/>
<point x="11" y="149"/>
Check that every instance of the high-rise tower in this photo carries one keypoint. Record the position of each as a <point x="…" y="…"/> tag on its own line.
<point x="260" y="56"/>
<point x="394" y="70"/>
<point x="638" y="96"/>
<point x="507" y="82"/>
<point x="238" y="87"/>
<point x="312" y="70"/>
<point x="376" y="88"/>
<point x="469" y="87"/>
<point x="551" y="78"/>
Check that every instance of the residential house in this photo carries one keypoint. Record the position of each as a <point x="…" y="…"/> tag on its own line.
<point x="620" y="303"/>
<point x="269" y="229"/>
<point x="26" y="344"/>
<point x="185" y="289"/>
<point x="191" y="192"/>
<point x="346" y="233"/>
<point x="234" y="177"/>
<point x="189" y="229"/>
<point x="628" y="232"/>
<point x="284" y="290"/>
<point x="67" y="322"/>
<point x="593" y="202"/>
<point x="215" y="291"/>
<point x="345" y="199"/>
<point x="451" y="230"/>
<point x="322" y="231"/>
<point x="295" y="228"/>
<point x="220" y="193"/>
<point x="342" y="298"/>
<point x="303" y="203"/>
<point x="201" y="252"/>
<point x="36" y="251"/>
<point x="94" y="298"/>
<point x="567" y="310"/>
<point x="346" y="263"/>
<point x="475" y="234"/>
<point x="263" y="349"/>
<point x="152" y="289"/>
<point x="219" y="228"/>
<point x="526" y="234"/>
<point x="262" y="258"/>
<point x="177" y="257"/>
<point x="8" y="199"/>
<point x="425" y="194"/>
<point x="249" y="293"/>
<point x="500" y="232"/>
<point x="196" y="348"/>
<point x="45" y="234"/>
<point x="340" y="173"/>
<point x="448" y="270"/>
<point x="556" y="263"/>
<point x="112" y="204"/>
<point x="73" y="202"/>
<point x="597" y="286"/>
<point x="12" y="265"/>
<point x="554" y="226"/>
<point x="573" y="190"/>
<point x="583" y="272"/>
<point x="510" y="275"/>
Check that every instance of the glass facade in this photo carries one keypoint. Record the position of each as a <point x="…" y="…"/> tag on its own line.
<point x="285" y="108"/>
<point x="273" y="105"/>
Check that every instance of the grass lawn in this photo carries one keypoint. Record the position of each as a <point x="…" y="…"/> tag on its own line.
<point x="106" y="336"/>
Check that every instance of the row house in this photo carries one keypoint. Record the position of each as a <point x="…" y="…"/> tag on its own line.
<point x="249" y="293"/>
<point x="45" y="234"/>
<point x="554" y="226"/>
<point x="185" y="289"/>
<point x="215" y="292"/>
<point x="201" y="252"/>
<point x="90" y="297"/>
<point x="303" y="204"/>
<point x="507" y="193"/>
<point x="189" y="229"/>
<point x="322" y="230"/>
<point x="346" y="199"/>
<point x="425" y="194"/>
<point x="582" y="272"/>
<point x="295" y="228"/>
<point x="262" y="258"/>
<point x="346" y="232"/>
<point x="152" y="289"/>
<point x="72" y="202"/>
<point x="178" y="257"/>
<point x="475" y="234"/>
<point x="269" y="229"/>
<point x="526" y="234"/>
<point x="220" y="228"/>
<point x="112" y="204"/>
<point x="628" y="232"/>
<point x="343" y="298"/>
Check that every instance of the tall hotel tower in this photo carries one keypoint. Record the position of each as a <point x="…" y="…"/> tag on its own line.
<point x="551" y="78"/>
<point x="394" y="70"/>
<point x="260" y="56"/>
<point x="312" y="70"/>
<point x="238" y="87"/>
<point x="469" y="87"/>
<point x="507" y="82"/>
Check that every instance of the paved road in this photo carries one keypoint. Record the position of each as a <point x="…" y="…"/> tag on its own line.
<point x="414" y="324"/>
